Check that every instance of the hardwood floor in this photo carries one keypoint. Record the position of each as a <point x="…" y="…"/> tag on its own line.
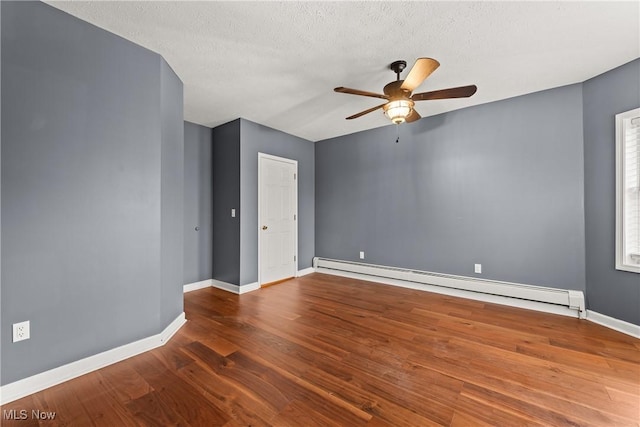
<point x="329" y="351"/>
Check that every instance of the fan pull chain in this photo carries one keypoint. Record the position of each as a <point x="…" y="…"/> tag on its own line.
<point x="397" y="133"/>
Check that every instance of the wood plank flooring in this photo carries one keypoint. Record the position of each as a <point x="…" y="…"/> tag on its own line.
<point x="329" y="351"/>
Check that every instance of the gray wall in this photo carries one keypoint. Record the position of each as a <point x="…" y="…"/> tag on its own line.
<point x="499" y="184"/>
<point x="172" y="190"/>
<point x="256" y="138"/>
<point x="83" y="141"/>
<point x="226" y="196"/>
<point x="198" y="208"/>
<point x="1" y="324"/>
<point x="609" y="291"/>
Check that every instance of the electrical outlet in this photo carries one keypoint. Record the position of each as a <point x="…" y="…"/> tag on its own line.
<point x="361" y="254"/>
<point x="477" y="268"/>
<point x="21" y="331"/>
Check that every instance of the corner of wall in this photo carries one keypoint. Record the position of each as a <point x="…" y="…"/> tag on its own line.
<point x="609" y="292"/>
<point x="172" y="193"/>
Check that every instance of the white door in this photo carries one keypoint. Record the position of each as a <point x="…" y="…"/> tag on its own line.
<point x="277" y="218"/>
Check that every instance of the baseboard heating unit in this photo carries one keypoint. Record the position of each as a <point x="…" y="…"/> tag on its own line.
<point x="551" y="300"/>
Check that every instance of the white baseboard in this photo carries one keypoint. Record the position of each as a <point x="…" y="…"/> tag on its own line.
<point x="41" y="381"/>
<point x="229" y="287"/>
<point x="238" y="290"/>
<point x="248" y="288"/>
<point x="613" y="323"/>
<point x="168" y="332"/>
<point x="197" y="285"/>
<point x="305" y="271"/>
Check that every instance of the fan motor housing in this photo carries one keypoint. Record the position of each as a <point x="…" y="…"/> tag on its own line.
<point x="394" y="91"/>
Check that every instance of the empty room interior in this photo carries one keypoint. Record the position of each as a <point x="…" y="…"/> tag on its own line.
<point x="320" y="213"/>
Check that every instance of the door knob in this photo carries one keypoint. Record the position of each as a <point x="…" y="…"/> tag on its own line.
<point x="264" y="227"/>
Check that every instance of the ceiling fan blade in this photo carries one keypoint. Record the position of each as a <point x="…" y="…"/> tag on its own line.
<point x="420" y="71"/>
<point x="362" y="113"/>
<point x="413" y="116"/>
<point x="454" y="92"/>
<point x="360" y="92"/>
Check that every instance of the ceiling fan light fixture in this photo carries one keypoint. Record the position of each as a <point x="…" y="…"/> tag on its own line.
<point x="399" y="95"/>
<point x="398" y="111"/>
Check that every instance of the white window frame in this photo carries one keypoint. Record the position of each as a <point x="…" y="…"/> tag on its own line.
<point x="622" y="262"/>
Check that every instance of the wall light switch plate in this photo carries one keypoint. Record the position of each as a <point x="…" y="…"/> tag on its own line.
<point x="21" y="331"/>
<point x="233" y="213"/>
<point x="477" y="268"/>
<point x="361" y="254"/>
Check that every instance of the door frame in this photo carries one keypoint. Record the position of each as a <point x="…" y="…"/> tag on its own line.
<point x="294" y="198"/>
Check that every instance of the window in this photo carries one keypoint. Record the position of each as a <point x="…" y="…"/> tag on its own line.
<point x="628" y="191"/>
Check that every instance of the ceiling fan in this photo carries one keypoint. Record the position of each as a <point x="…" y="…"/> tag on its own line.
<point x="400" y="102"/>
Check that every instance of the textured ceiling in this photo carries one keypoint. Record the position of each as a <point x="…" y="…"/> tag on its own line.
<point x="276" y="63"/>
